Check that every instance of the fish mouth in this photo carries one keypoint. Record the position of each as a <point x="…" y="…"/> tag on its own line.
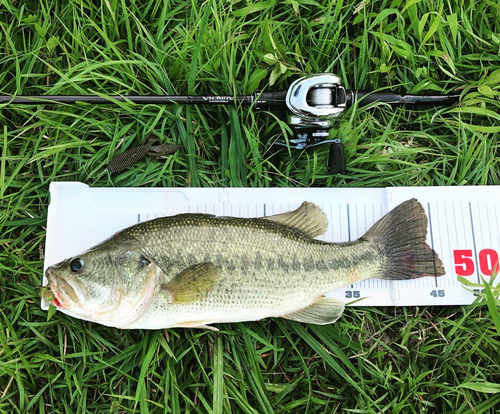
<point x="65" y="293"/>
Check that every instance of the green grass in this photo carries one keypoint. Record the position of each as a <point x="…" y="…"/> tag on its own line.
<point x="374" y="359"/>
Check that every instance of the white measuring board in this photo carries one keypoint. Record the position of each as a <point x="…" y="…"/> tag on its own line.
<point x="463" y="228"/>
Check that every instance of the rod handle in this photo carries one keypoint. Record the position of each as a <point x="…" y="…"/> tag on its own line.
<point x="365" y="98"/>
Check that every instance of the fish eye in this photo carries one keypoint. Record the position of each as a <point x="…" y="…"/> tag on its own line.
<point x="143" y="261"/>
<point x="76" y="265"/>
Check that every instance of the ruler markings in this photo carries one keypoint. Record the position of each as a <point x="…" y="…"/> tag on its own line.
<point x="432" y="239"/>
<point x="463" y="221"/>
<point x="481" y="231"/>
<point x="323" y="236"/>
<point x="364" y="212"/>
<point x="497" y="228"/>
<point x="491" y="227"/>
<point x="349" y="227"/>
<point x="348" y="224"/>
<point x="437" y="236"/>
<point x="378" y="282"/>
<point x="446" y="246"/>
<point x="490" y="232"/>
<point x="330" y="222"/>
<point x="356" y="223"/>
<point x="448" y="229"/>
<point x="457" y="238"/>
<point x="496" y="219"/>
<point x="342" y="238"/>
<point x="480" y="219"/>
<point x="474" y="242"/>
<point x="455" y="234"/>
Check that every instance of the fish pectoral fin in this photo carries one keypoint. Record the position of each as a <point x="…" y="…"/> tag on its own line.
<point x="197" y="324"/>
<point x="321" y="312"/>
<point x="191" y="284"/>
<point x="308" y="219"/>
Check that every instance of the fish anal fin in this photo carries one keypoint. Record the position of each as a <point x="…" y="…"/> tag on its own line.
<point x="323" y="311"/>
<point x="202" y="324"/>
<point x="308" y="219"/>
<point x="191" y="284"/>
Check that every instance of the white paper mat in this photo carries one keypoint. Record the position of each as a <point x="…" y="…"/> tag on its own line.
<point x="464" y="226"/>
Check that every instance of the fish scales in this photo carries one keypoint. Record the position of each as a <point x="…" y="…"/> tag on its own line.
<point x="262" y="244"/>
<point x="191" y="270"/>
<point x="261" y="265"/>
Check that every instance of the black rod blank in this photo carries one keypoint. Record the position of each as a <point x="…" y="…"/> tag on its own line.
<point x="138" y="99"/>
<point x="268" y="99"/>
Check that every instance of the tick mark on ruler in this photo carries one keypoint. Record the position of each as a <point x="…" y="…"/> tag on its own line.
<point x="432" y="242"/>
<point x="474" y="242"/>
<point x="348" y="224"/>
<point x="349" y="228"/>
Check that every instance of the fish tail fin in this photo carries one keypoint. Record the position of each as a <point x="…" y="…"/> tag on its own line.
<point x="401" y="235"/>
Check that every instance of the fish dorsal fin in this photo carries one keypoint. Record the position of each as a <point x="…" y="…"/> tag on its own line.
<point x="322" y="312"/>
<point x="308" y="219"/>
<point x="191" y="284"/>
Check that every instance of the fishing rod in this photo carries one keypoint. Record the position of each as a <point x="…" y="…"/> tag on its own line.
<point x="312" y="103"/>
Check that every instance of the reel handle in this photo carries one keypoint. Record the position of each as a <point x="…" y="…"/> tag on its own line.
<point x="336" y="159"/>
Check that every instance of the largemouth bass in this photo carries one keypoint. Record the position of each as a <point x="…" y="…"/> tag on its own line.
<point x="193" y="270"/>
